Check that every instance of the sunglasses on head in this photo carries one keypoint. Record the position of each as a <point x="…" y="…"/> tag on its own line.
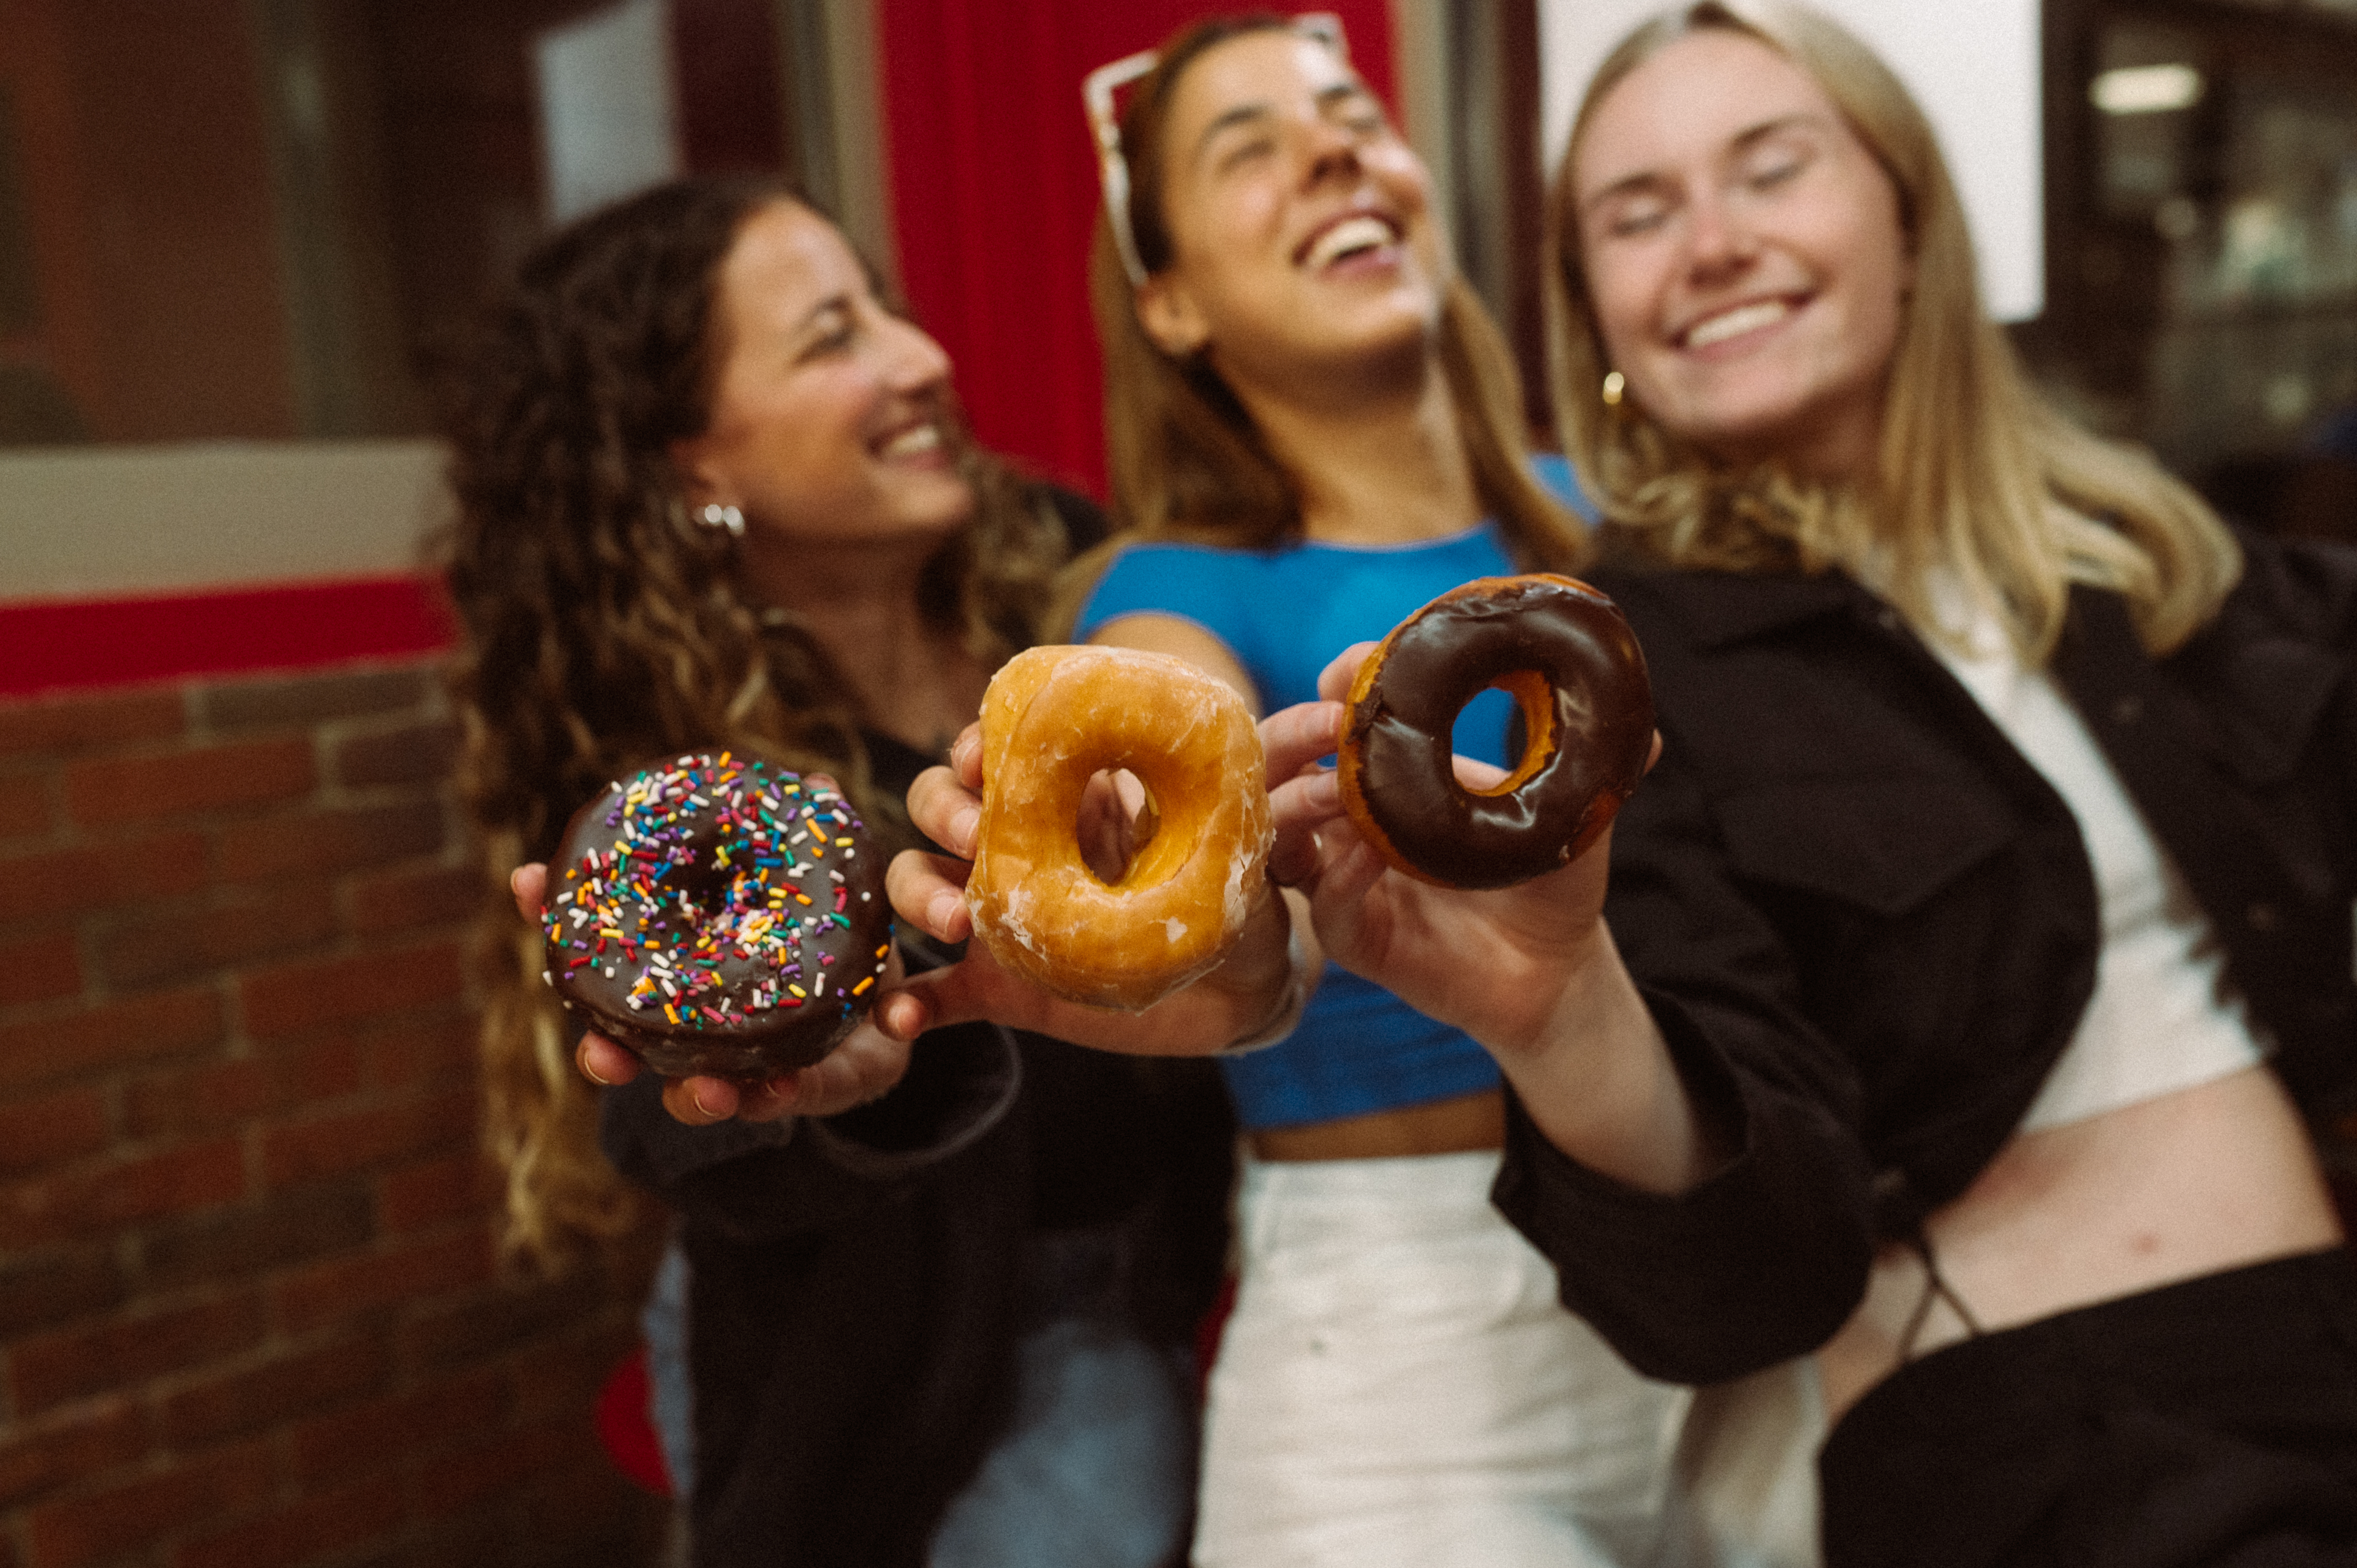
<point x="1097" y="90"/>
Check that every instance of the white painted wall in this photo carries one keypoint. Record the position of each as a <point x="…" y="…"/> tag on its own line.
<point x="609" y="125"/>
<point x="1973" y="66"/>
<point x="100" y="521"/>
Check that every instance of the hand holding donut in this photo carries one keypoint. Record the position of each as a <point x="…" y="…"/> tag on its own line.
<point x="1529" y="970"/>
<point x="865" y="1066"/>
<point x="1054" y="719"/>
<point x="1577" y="677"/>
<point x="1477" y="900"/>
<point x="1493" y="961"/>
<point x="1231" y="1002"/>
<point x="663" y="937"/>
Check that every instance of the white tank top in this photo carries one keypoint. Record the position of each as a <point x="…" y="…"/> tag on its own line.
<point x="2163" y="1016"/>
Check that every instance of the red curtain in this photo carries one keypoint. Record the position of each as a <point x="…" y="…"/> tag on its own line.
<point x="995" y="191"/>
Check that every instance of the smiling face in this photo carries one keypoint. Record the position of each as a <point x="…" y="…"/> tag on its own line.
<point x="1743" y="255"/>
<point x="828" y="417"/>
<point x="1299" y="220"/>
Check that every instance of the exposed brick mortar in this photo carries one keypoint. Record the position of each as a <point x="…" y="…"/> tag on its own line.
<point x="547" y="1350"/>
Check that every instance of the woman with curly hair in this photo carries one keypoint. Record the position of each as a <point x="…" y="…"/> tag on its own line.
<point x="714" y="492"/>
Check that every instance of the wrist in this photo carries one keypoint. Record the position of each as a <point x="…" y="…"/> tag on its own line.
<point x="1283" y="1013"/>
<point x="1558" y="1001"/>
<point x="1597" y="1079"/>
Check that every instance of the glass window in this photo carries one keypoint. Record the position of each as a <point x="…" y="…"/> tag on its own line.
<point x="2205" y="214"/>
<point x="268" y="218"/>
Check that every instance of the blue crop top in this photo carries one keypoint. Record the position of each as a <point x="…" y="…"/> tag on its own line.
<point x="1285" y="614"/>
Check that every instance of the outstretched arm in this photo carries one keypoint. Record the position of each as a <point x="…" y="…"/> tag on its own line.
<point x="1529" y="970"/>
<point x="1231" y="1003"/>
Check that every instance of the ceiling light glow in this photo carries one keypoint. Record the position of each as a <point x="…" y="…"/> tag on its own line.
<point x="2145" y="89"/>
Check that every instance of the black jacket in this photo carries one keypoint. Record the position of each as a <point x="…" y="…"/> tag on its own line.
<point x="1868" y="925"/>
<point x="855" y="1280"/>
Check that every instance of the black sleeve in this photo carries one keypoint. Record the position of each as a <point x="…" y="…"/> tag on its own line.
<point x="2317" y="580"/>
<point x="755" y="1181"/>
<point x="1766" y="1258"/>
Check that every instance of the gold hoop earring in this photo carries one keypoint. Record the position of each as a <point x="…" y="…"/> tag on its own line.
<point x="1615" y="386"/>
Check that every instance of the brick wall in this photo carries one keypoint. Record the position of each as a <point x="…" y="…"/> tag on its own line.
<point x="250" y="1311"/>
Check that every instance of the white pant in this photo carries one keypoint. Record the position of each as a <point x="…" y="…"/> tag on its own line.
<point x="1746" y="1494"/>
<point x="1399" y="1385"/>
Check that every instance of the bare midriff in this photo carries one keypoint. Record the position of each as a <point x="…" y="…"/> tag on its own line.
<point x="1441" y="1127"/>
<point x="2208" y="1178"/>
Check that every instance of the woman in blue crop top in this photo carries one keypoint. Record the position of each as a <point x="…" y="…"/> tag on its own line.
<point x="1313" y="431"/>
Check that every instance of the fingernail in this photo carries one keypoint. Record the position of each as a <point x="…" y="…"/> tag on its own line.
<point x="964" y="747"/>
<point x="695" y="1096"/>
<point x="1325" y="789"/>
<point x="591" y="1074"/>
<point x="900" y="1015"/>
<point x="942" y="911"/>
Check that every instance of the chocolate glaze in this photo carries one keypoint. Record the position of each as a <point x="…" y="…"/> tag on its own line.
<point x="1481" y="635"/>
<point x="719" y="917"/>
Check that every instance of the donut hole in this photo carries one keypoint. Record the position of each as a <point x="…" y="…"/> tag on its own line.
<point x="700" y="889"/>
<point x="1524" y="712"/>
<point x="1118" y="817"/>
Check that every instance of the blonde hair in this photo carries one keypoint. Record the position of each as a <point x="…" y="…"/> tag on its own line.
<point x="1975" y="472"/>
<point x="1186" y="460"/>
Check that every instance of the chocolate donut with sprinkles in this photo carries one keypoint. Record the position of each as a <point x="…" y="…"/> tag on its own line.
<point x="719" y="917"/>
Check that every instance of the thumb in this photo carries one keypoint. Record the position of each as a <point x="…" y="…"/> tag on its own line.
<point x="528" y="884"/>
<point x="934" y="1000"/>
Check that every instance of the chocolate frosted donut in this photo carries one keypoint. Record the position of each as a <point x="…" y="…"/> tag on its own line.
<point x="1561" y="649"/>
<point x="719" y="916"/>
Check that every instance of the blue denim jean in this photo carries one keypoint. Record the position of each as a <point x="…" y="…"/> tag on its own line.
<point x="662" y="1323"/>
<point x="1097" y="1465"/>
<point x="1096" y="1468"/>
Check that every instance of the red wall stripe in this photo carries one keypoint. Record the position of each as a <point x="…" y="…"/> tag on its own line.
<point x="57" y="644"/>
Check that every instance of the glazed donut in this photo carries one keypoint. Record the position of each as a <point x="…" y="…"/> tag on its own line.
<point x="1562" y="652"/>
<point x="1052" y="719"/>
<point x="717" y="917"/>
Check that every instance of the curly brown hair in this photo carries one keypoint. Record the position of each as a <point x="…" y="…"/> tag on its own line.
<point x="602" y="627"/>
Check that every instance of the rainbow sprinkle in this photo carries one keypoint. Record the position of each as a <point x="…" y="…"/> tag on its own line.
<point x="721" y="962"/>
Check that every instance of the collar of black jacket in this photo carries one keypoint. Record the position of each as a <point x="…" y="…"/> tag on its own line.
<point x="2266" y="698"/>
<point x="1718" y="608"/>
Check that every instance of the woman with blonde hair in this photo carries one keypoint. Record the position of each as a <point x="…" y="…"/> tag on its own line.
<point x="2034" y="948"/>
<point x="2002" y="830"/>
<point x="1971" y="959"/>
<point x="715" y="494"/>
<point x="1973" y="471"/>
